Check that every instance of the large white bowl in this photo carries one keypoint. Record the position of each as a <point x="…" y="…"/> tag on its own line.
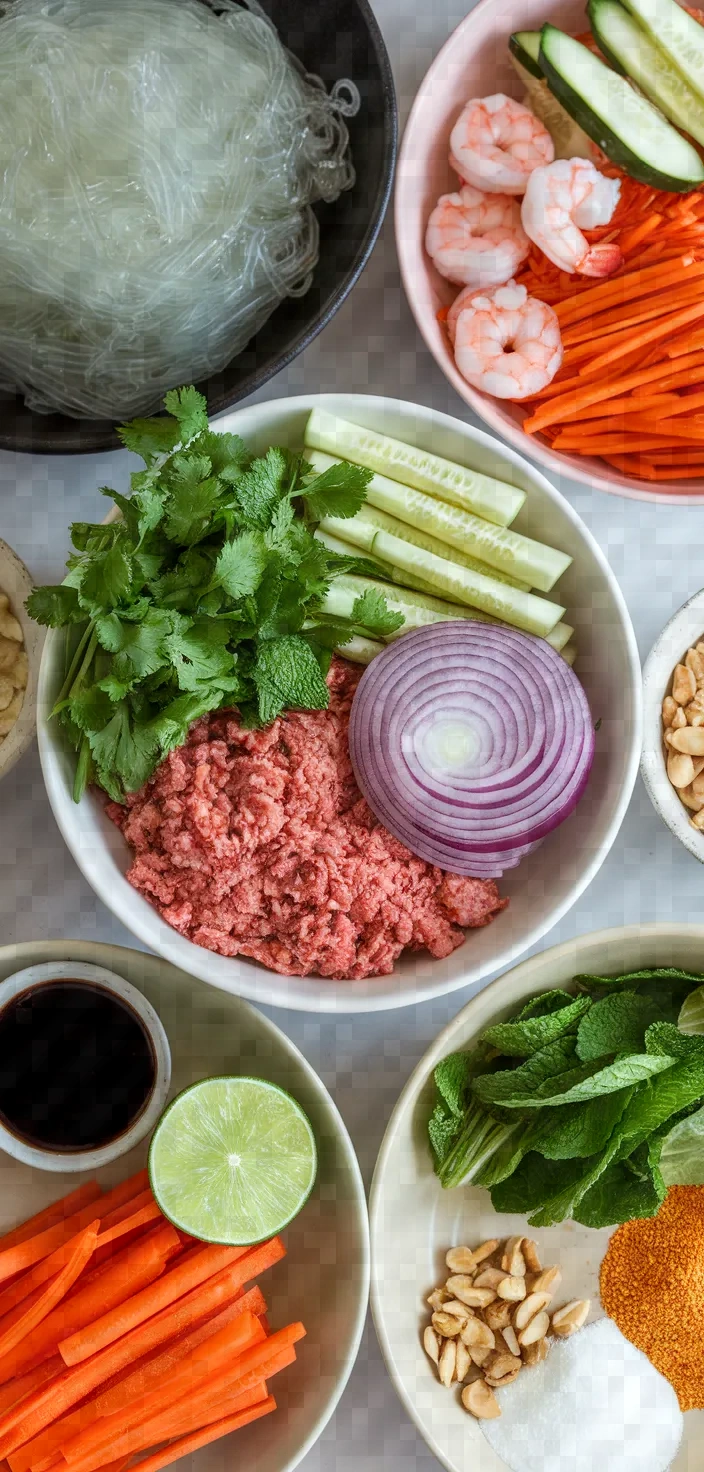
<point x="324" y="1278"/>
<point x="16" y="581"/>
<point x="414" y="1221"/>
<point x="549" y="881"/>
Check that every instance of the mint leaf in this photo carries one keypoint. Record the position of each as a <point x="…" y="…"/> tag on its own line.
<point x="149" y="437"/>
<point x="509" y="1084"/>
<point x="260" y="488"/>
<point x="617" y="1196"/>
<point x="341" y="490"/>
<point x="534" y="1181"/>
<point x="442" y="1132"/>
<point x="240" y="565"/>
<point x="372" y="611"/>
<point x="581" y="1129"/>
<point x="190" y="409"/>
<point x="616" y="1024"/>
<point x="666" y="1038"/>
<point x="452" y="1077"/>
<point x="55" y="607"/>
<point x="287" y="674"/>
<point x="523" y="1038"/>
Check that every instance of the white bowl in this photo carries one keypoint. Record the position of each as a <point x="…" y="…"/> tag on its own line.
<point x="546" y="884"/>
<point x="92" y="1160"/>
<point x="686" y="627"/>
<point x="324" y="1278"/>
<point x="16" y="581"/>
<point x="414" y="1221"/>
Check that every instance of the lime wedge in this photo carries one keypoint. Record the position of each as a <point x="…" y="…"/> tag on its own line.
<point x="232" y="1160"/>
<point x="682" y="1154"/>
<point x="691" y="1018"/>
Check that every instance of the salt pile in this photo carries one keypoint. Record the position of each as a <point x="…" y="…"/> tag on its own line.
<point x="596" y="1404"/>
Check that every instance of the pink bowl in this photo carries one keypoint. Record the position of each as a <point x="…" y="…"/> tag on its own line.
<point x="475" y="62"/>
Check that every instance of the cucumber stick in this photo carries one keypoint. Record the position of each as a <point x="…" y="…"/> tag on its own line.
<point x="493" y="499"/>
<point x="632" y="50"/>
<point x="339" y="601"/>
<point x="491" y="547"/>
<point x="677" y="33"/>
<point x="381" y="519"/>
<point x="525" y="46"/>
<point x="631" y="132"/>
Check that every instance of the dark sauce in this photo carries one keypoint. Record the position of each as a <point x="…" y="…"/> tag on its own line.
<point x="77" y="1066"/>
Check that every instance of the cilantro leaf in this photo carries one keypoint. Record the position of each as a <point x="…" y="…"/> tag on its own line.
<point x="372" y="611"/>
<point x="189" y="409"/>
<point x="193" y="497"/>
<point x="240" y="564"/>
<point x="338" y="491"/>
<point x="55" y="607"/>
<point x="125" y="749"/>
<point x="259" y="490"/>
<point x="106" y="579"/>
<point x="286" y="673"/>
<point x="142" y="644"/>
<point x="339" y="563"/>
<point x="227" y="453"/>
<point x="199" y="654"/>
<point x="150" y="437"/>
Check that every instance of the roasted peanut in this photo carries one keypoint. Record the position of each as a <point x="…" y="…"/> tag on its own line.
<point x="684" y="684"/>
<point x="480" y="1401"/>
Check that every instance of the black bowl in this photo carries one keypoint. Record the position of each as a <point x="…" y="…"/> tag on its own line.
<point x="333" y="38"/>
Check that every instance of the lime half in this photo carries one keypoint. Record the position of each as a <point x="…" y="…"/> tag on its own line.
<point x="691" y="1018"/>
<point x="232" y="1160"/>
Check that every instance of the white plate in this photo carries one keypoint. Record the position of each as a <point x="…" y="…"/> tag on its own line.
<point x="547" y="883"/>
<point x="686" y="627"/>
<point x="16" y="581"/>
<point x="324" y="1279"/>
<point x="413" y="1221"/>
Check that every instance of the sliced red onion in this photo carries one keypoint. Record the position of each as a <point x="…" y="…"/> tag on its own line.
<point x="470" y="742"/>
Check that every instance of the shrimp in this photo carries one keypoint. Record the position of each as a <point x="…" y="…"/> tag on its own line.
<point x="476" y="238"/>
<point x="508" y="343"/>
<point x="496" y="143"/>
<point x="562" y="200"/>
<point x="465" y="297"/>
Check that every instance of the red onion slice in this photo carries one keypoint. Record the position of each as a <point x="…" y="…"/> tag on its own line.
<point x="470" y="742"/>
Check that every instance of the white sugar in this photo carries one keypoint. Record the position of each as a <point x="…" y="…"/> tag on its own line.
<point x="596" y="1404"/>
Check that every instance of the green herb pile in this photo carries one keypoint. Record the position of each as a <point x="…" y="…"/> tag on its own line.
<point x="203" y="593"/>
<point x="585" y="1106"/>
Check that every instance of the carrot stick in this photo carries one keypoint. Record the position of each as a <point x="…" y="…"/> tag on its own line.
<point x="136" y="1383"/>
<point x="193" y="1412"/>
<point x="20" y="1423"/>
<point x="614" y="444"/>
<point x="615" y="319"/>
<point x="57" y="1212"/>
<point x="631" y="238"/>
<point x="137" y="1267"/>
<point x="24" y="1254"/>
<point x="181" y="1280"/>
<point x="560" y="408"/>
<point x="53" y="1294"/>
<point x="634" y="284"/>
<point x="662" y="328"/>
<point x="187" y="1444"/>
<point x="148" y="1213"/>
<point x="37" y="1275"/>
<point x="224" y="1351"/>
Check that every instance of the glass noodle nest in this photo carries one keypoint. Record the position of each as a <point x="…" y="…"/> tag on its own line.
<point x="158" y="163"/>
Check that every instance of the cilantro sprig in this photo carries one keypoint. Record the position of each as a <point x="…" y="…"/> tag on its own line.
<point x="204" y="592"/>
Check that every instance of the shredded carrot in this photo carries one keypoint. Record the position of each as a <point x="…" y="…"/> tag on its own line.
<point x="187" y="1444"/>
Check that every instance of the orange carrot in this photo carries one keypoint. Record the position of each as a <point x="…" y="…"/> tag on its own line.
<point x="194" y="1411"/>
<point x="36" y="1276"/>
<point x="181" y="1280"/>
<point x="25" y="1254"/>
<point x="663" y="328"/>
<point x="225" y="1351"/>
<point x="24" y="1385"/>
<point x="136" y="1268"/>
<point x="147" y="1213"/>
<point x="127" y="1208"/>
<point x="559" y="408"/>
<point x="620" y="289"/>
<point x="136" y="1383"/>
<point x="187" y="1444"/>
<point x="631" y="238"/>
<point x="53" y="1294"/>
<point x="22" y="1422"/>
<point x="57" y="1212"/>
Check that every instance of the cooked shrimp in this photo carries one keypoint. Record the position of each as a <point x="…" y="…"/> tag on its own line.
<point x="508" y="343"/>
<point x="477" y="238"/>
<point x="465" y="297"/>
<point x="561" y="201"/>
<point x="496" y="143"/>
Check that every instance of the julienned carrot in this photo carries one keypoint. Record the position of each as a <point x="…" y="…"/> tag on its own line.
<point x="25" y="1385"/>
<point x="662" y="328"/>
<point x="127" y="1209"/>
<point x="52" y="1294"/>
<point x="224" y="1351"/>
<point x="23" y="1255"/>
<point x="58" y="1212"/>
<point x="195" y="1411"/>
<point x="181" y="1280"/>
<point x="136" y="1383"/>
<point x="631" y="238"/>
<point x="617" y="319"/>
<point x="134" y="1269"/>
<point x="560" y="408"/>
<point x="39" y="1274"/>
<point x="634" y="284"/>
<point x="20" y="1423"/>
<point x="185" y="1445"/>
<point x="148" y="1213"/>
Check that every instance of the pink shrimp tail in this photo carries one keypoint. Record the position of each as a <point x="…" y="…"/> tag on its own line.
<point x="601" y="260"/>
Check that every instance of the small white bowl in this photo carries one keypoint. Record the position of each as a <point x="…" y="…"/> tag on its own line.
<point x="548" y="882"/>
<point x="91" y="1160"/>
<point x="16" y="581"/>
<point x="686" y="627"/>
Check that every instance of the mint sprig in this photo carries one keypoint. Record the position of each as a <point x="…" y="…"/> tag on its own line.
<point x="205" y="593"/>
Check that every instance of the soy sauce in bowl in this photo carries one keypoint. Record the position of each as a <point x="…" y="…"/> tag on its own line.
<point x="77" y="1066"/>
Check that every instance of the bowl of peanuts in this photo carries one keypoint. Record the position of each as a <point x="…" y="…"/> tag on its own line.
<point x="672" y="763"/>
<point x="20" y="649"/>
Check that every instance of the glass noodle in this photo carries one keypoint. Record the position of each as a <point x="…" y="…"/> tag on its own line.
<point x="158" y="163"/>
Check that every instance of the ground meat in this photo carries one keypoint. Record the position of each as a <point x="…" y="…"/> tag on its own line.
<point x="258" y="843"/>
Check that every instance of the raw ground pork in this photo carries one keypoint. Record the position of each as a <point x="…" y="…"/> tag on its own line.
<point x="258" y="843"/>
